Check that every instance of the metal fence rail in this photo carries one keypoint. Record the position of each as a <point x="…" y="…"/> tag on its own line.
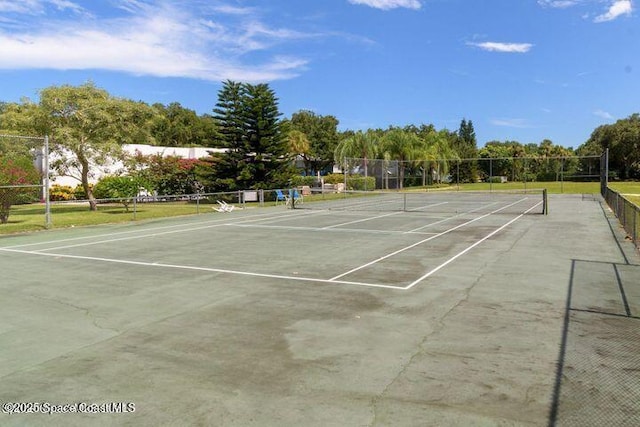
<point x="627" y="212"/>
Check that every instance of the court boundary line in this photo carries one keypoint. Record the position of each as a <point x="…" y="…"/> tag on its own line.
<point x="285" y="277"/>
<point x="333" y="280"/>
<point x="459" y="254"/>
<point x="451" y="217"/>
<point x="205" y="269"/>
<point x="211" y="224"/>
<point x="375" y="261"/>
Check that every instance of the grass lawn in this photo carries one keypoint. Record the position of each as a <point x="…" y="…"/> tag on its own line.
<point x="32" y="217"/>
<point x="552" y="187"/>
<point x="634" y="199"/>
<point x="626" y="187"/>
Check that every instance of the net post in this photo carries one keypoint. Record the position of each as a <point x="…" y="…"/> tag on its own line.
<point x="545" y="202"/>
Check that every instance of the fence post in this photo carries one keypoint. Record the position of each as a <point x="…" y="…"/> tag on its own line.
<point x="636" y="213"/>
<point x="490" y="175"/>
<point x="47" y="202"/>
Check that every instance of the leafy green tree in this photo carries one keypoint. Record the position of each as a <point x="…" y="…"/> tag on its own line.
<point x="170" y="175"/>
<point x="16" y="170"/>
<point x="122" y="188"/>
<point x="177" y="126"/>
<point x="497" y="159"/>
<point x="553" y="161"/>
<point x="622" y="139"/>
<point x="322" y="134"/>
<point x="87" y="128"/>
<point x="298" y="143"/>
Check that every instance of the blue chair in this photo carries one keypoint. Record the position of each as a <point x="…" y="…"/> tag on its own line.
<point x="280" y="197"/>
<point x="297" y="197"/>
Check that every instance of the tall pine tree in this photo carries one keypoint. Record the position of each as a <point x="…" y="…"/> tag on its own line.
<point x="466" y="147"/>
<point x="249" y="122"/>
<point x="267" y="164"/>
<point x="229" y="116"/>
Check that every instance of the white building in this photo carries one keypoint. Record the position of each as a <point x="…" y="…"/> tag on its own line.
<point x="117" y="166"/>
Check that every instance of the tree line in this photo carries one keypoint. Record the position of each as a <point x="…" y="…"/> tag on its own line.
<point x="87" y="126"/>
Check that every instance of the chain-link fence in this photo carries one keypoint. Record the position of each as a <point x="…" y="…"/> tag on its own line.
<point x="24" y="177"/>
<point x="627" y="213"/>
<point x="383" y="174"/>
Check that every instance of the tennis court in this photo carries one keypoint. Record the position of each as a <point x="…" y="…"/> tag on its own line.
<point x="418" y="310"/>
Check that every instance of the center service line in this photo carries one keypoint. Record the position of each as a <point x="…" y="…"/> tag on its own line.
<point x="453" y="258"/>
<point x="423" y="241"/>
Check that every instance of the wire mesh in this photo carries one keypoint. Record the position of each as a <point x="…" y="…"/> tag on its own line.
<point x="508" y="202"/>
<point x="627" y="213"/>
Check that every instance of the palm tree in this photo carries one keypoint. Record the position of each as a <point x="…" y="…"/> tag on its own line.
<point x="443" y="151"/>
<point x="402" y="146"/>
<point x="298" y="144"/>
<point x="361" y="145"/>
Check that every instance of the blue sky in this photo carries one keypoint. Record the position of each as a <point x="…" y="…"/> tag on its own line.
<point x="521" y="70"/>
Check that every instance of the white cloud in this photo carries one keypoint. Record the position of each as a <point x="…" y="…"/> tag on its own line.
<point x="503" y="47"/>
<point x="603" y="114"/>
<point x="617" y="9"/>
<point x="389" y="4"/>
<point x="558" y="4"/>
<point x="160" y="39"/>
<point x="36" y="7"/>
<point x="512" y="123"/>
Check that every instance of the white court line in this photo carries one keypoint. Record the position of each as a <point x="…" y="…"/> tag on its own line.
<point x="422" y="241"/>
<point x="206" y="269"/>
<point x="359" y="220"/>
<point x="452" y="217"/>
<point x="459" y="254"/>
<point x="156" y="234"/>
<point x="219" y="220"/>
<point x="295" y="278"/>
<point x="317" y="229"/>
<point x="375" y="217"/>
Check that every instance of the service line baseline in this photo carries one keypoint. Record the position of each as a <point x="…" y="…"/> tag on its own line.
<point x="334" y="280"/>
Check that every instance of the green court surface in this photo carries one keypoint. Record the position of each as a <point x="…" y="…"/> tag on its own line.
<point x="476" y="315"/>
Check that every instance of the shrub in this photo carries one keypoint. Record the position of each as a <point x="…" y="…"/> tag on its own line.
<point x="334" y="178"/>
<point x="79" y="193"/>
<point x="61" y="193"/>
<point x="361" y="183"/>
<point x="299" y="180"/>
<point x="16" y="170"/>
<point x="495" y="179"/>
<point x="123" y="188"/>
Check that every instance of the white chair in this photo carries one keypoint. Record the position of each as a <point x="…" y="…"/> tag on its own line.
<point x="224" y="207"/>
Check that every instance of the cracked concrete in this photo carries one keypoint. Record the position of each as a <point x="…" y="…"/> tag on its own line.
<point x="477" y="343"/>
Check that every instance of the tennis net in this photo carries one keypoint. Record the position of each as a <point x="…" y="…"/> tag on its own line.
<point x="533" y="201"/>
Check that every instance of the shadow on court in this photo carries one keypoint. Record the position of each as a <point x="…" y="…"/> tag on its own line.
<point x="272" y="317"/>
<point x="598" y="376"/>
